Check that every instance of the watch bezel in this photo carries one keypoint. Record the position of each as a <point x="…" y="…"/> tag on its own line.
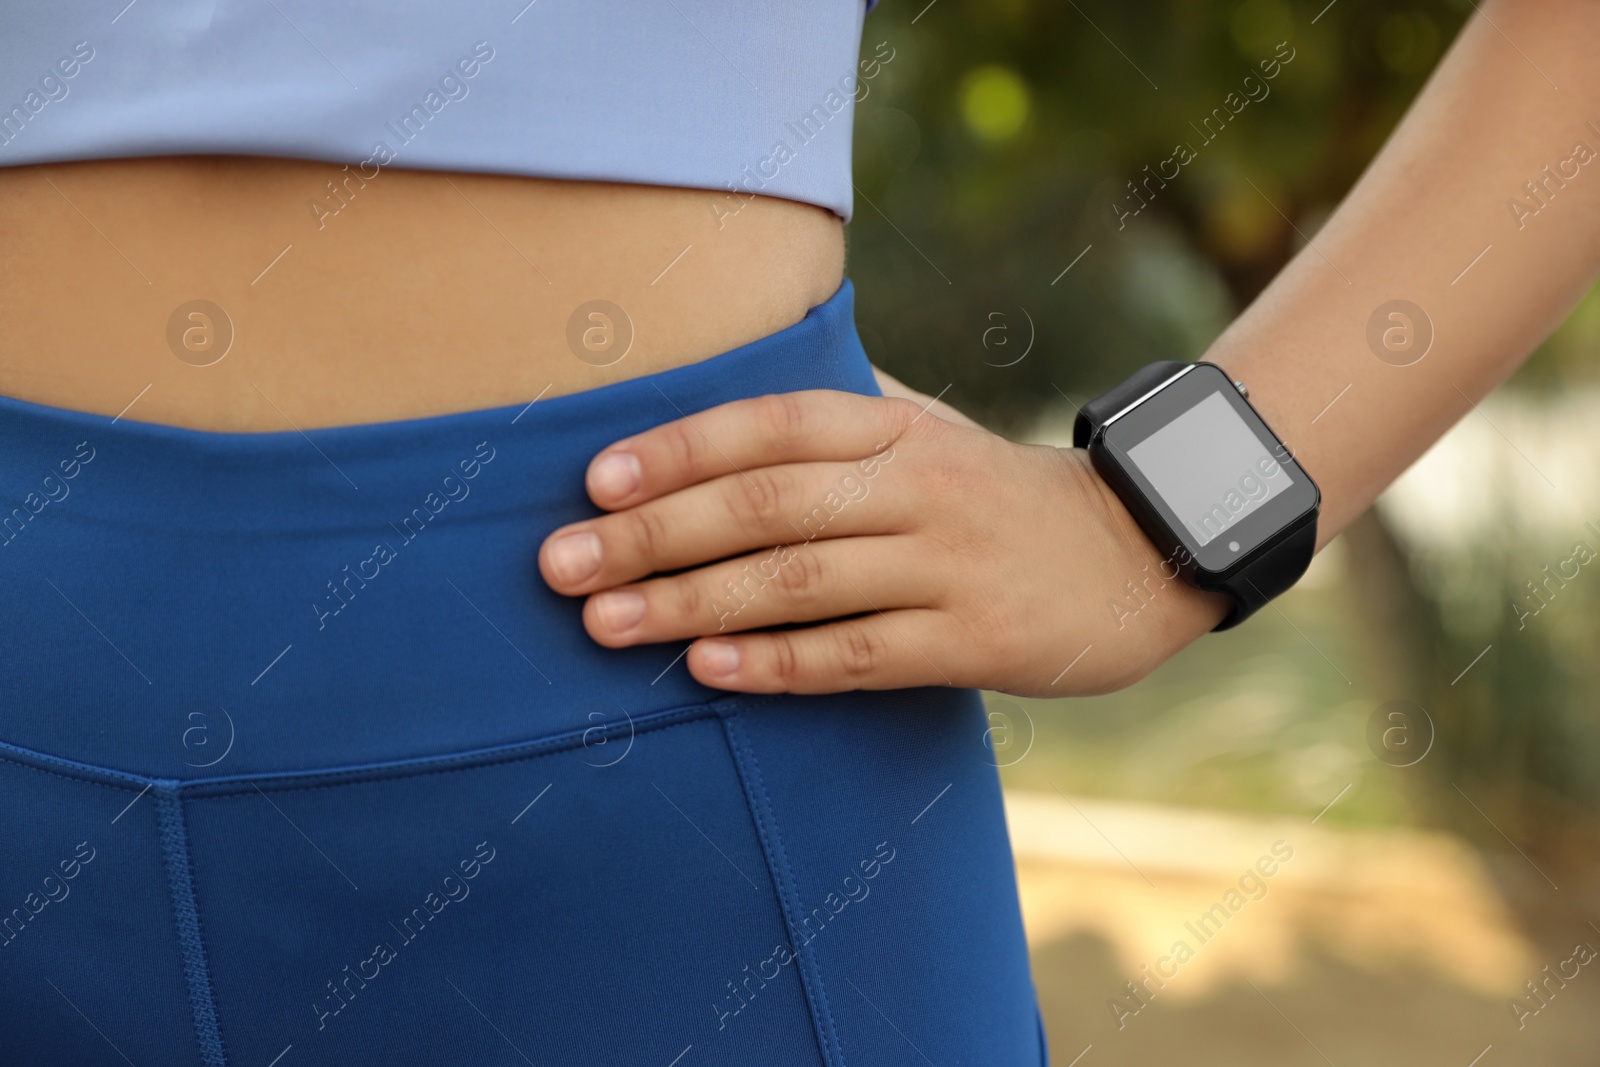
<point x="1257" y="532"/>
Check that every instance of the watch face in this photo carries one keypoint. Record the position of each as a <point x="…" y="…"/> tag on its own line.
<point x="1219" y="478"/>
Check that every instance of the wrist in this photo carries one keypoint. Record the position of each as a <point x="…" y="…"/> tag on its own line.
<point x="1144" y="589"/>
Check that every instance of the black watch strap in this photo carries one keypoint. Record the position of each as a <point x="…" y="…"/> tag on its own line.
<point x="1270" y="574"/>
<point x="1094" y="414"/>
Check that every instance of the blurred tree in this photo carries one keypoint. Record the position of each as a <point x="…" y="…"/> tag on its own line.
<point x="1006" y="140"/>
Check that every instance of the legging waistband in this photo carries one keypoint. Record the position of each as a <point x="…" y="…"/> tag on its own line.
<point x="184" y="604"/>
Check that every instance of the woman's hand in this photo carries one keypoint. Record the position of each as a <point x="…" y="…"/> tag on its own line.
<point x="923" y="553"/>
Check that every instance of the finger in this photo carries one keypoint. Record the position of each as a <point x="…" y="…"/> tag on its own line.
<point x="819" y="424"/>
<point x="788" y="583"/>
<point x="884" y="650"/>
<point x="789" y="504"/>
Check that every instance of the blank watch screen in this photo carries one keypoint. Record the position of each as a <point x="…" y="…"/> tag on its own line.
<point x="1210" y="469"/>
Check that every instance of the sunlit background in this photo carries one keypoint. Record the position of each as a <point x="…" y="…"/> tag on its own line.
<point x="1420" y="899"/>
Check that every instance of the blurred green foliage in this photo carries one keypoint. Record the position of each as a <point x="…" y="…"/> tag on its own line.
<point x="995" y="146"/>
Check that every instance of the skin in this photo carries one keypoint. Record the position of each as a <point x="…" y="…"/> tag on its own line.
<point x="971" y="560"/>
<point x="425" y="293"/>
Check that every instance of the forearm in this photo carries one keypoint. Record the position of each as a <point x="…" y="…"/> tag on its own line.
<point x="1440" y="191"/>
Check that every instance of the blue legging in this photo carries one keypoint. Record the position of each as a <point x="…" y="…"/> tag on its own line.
<point x="302" y="763"/>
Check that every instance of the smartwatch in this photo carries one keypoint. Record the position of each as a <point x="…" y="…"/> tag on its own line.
<point x="1206" y="479"/>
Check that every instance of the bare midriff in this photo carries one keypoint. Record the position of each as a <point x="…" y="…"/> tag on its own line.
<point x="249" y="294"/>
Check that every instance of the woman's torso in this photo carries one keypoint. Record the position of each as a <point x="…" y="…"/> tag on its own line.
<point x="410" y="294"/>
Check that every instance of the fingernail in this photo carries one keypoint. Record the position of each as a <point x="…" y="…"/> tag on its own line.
<point x="619" y="611"/>
<point x="616" y="475"/>
<point x="574" y="557"/>
<point x="720" y="657"/>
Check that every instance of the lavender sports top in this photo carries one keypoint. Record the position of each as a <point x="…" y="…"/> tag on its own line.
<point x="712" y="94"/>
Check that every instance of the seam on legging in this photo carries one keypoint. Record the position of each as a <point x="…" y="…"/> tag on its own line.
<point x="186" y="913"/>
<point x="71" y="770"/>
<point x="760" y="804"/>
<point x="348" y="781"/>
<point x="284" y="783"/>
<point x="509" y="752"/>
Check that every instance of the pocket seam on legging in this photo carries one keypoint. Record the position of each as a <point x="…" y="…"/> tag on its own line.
<point x="90" y="775"/>
<point x="510" y="752"/>
<point x="778" y="872"/>
<point x="245" y="785"/>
